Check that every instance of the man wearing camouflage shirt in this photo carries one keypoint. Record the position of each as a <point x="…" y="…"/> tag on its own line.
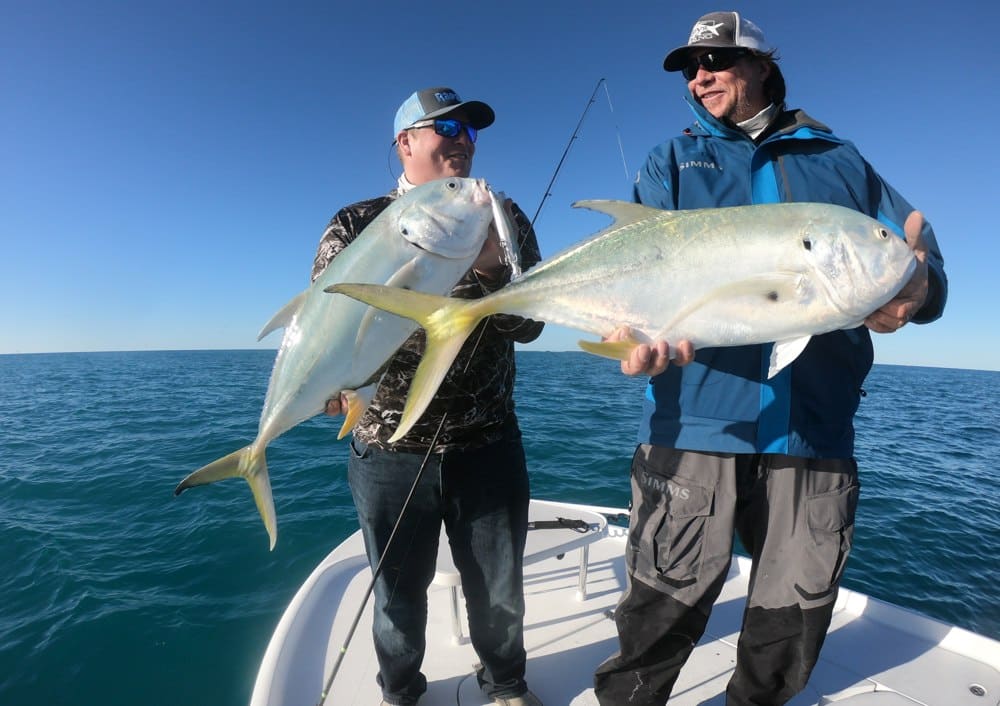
<point x="476" y="480"/>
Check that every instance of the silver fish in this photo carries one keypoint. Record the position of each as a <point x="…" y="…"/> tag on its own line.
<point x="717" y="277"/>
<point x="427" y="239"/>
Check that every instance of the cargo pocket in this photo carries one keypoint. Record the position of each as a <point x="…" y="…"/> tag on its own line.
<point x="678" y="542"/>
<point x="831" y="526"/>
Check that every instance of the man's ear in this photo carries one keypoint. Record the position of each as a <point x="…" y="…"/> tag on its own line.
<point x="403" y="141"/>
<point x="766" y="68"/>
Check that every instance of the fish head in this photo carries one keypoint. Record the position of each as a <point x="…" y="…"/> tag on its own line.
<point x="861" y="263"/>
<point x="447" y="217"/>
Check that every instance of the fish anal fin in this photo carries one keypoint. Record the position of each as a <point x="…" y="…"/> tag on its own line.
<point x="784" y="352"/>
<point x="357" y="402"/>
<point x="616" y="350"/>
<point x="284" y="316"/>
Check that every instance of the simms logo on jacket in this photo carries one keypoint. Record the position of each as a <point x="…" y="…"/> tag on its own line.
<point x="698" y="163"/>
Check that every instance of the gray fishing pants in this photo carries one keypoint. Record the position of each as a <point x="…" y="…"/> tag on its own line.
<point x="794" y="516"/>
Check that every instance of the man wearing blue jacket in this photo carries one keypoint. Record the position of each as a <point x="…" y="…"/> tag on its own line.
<point x="723" y="450"/>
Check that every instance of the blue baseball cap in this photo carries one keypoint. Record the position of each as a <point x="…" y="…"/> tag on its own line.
<point x="437" y="102"/>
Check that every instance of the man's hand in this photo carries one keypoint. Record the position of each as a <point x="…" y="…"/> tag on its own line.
<point x="896" y="313"/>
<point x="335" y="406"/>
<point x="653" y="359"/>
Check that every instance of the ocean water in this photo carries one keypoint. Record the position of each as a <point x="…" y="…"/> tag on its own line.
<point x="114" y="592"/>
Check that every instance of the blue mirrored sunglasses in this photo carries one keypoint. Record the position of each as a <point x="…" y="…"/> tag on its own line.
<point x="447" y="127"/>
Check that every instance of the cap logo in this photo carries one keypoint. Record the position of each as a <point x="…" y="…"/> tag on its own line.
<point x="705" y="30"/>
<point x="446" y="96"/>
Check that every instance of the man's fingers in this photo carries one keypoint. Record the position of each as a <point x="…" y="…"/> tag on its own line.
<point x="912" y="228"/>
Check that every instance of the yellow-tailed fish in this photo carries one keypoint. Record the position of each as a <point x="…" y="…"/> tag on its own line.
<point x="717" y="277"/>
<point x="424" y="240"/>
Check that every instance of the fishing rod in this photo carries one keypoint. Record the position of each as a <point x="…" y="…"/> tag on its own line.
<point x="590" y="102"/>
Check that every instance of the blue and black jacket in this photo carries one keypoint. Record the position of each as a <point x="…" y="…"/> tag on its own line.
<point x="723" y="402"/>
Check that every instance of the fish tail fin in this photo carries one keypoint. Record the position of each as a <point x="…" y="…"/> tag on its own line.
<point x="246" y="463"/>
<point x="442" y="348"/>
<point x="448" y="323"/>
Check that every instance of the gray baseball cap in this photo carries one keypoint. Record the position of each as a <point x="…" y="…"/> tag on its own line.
<point x="719" y="30"/>
<point x="437" y="102"/>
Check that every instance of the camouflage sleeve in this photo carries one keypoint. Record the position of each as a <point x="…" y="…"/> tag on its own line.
<point x="518" y="328"/>
<point x="344" y="227"/>
<point x="335" y="238"/>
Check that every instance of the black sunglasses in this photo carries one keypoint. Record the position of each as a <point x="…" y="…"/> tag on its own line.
<point x="713" y="61"/>
<point x="447" y="128"/>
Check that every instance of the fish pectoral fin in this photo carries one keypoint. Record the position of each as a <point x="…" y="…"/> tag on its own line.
<point x="773" y="287"/>
<point x="249" y="465"/>
<point x="285" y="316"/>
<point x="784" y="352"/>
<point x="400" y="278"/>
<point x="616" y="350"/>
<point x="357" y="402"/>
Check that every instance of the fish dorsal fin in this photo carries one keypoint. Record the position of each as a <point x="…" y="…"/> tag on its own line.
<point x="285" y="316"/>
<point x="624" y="212"/>
<point x="784" y="352"/>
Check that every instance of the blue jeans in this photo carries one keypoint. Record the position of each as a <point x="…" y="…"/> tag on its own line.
<point x="481" y="495"/>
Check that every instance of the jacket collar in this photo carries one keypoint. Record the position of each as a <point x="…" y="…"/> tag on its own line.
<point x="789" y="123"/>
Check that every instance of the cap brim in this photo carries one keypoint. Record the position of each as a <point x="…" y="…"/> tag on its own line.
<point x="478" y="114"/>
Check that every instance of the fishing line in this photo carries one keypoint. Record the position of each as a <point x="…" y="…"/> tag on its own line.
<point x="548" y="189"/>
<point x="377" y="571"/>
<point x="618" y="133"/>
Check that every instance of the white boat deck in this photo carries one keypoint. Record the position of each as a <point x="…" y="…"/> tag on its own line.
<point x="875" y="654"/>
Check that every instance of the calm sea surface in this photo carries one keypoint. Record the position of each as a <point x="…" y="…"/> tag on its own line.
<point x="113" y="591"/>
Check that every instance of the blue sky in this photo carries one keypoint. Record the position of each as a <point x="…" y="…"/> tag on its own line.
<point x="167" y="168"/>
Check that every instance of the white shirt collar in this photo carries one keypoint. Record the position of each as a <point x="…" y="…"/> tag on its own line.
<point x="758" y="123"/>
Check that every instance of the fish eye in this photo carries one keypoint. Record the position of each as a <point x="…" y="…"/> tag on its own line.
<point x="883" y="233"/>
<point x="403" y="230"/>
<point x="451" y="184"/>
<point x="807" y="244"/>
